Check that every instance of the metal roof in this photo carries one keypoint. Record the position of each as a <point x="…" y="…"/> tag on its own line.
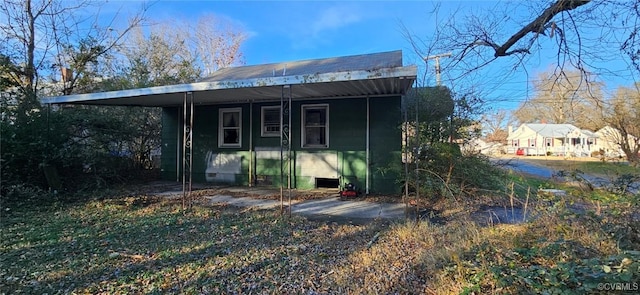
<point x="376" y="74"/>
<point x="553" y="130"/>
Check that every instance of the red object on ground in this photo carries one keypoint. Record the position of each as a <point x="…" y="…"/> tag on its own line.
<point x="347" y="193"/>
<point x="520" y="152"/>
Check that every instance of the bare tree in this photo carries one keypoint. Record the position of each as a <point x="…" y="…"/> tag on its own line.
<point x="543" y="24"/>
<point x="43" y="37"/>
<point x="176" y="51"/>
<point x="494" y="125"/>
<point x="564" y="97"/>
<point x="623" y="115"/>
<point x="160" y="57"/>
<point x="581" y="31"/>
<point x="217" y="42"/>
<point x="631" y="46"/>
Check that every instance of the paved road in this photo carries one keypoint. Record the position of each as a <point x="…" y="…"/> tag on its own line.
<point x="519" y="165"/>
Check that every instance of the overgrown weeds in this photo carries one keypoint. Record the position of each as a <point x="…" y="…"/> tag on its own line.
<point x="148" y="244"/>
<point x="562" y="250"/>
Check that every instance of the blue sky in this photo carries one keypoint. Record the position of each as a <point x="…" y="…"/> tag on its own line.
<point x="294" y="30"/>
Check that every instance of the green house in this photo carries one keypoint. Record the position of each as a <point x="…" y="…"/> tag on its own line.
<point x="300" y="124"/>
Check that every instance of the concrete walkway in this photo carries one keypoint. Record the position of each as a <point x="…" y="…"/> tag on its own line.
<point x="330" y="207"/>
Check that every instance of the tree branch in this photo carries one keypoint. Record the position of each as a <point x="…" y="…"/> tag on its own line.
<point x="538" y="25"/>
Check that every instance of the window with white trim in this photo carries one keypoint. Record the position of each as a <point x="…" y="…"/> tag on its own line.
<point x="315" y="126"/>
<point x="270" y="121"/>
<point x="230" y="127"/>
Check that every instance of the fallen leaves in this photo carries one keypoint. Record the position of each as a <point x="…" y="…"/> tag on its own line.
<point x="149" y="245"/>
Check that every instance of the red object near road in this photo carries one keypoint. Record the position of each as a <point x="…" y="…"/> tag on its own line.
<point x="520" y="152"/>
<point x="350" y="190"/>
<point x="351" y="194"/>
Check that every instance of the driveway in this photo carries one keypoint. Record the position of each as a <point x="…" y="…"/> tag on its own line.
<point x="324" y="204"/>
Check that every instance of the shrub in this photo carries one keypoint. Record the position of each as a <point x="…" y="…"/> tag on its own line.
<point x="446" y="172"/>
<point x="74" y="148"/>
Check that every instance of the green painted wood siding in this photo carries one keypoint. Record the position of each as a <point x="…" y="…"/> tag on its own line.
<point x="171" y="134"/>
<point x="386" y="144"/>
<point x="347" y="141"/>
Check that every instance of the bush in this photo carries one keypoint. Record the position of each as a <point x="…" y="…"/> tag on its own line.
<point x="74" y="148"/>
<point x="447" y="172"/>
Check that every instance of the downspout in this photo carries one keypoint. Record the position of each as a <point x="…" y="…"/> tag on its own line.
<point x="368" y="157"/>
<point x="405" y="197"/>
<point x="250" y="143"/>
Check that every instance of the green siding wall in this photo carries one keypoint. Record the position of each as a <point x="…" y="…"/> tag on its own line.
<point x="171" y="134"/>
<point x="386" y="144"/>
<point x="347" y="141"/>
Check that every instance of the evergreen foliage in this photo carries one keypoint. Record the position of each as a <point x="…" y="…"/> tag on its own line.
<point x="437" y="126"/>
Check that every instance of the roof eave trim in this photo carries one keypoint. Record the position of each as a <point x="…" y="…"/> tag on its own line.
<point x="407" y="72"/>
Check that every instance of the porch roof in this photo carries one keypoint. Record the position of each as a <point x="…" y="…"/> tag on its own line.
<point x="375" y="74"/>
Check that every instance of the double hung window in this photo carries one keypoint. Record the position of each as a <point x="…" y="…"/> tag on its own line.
<point x="315" y="126"/>
<point x="230" y="127"/>
<point x="270" y="123"/>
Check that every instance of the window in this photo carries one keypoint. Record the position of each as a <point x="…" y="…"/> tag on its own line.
<point x="548" y="141"/>
<point x="230" y="127"/>
<point x="270" y="121"/>
<point x="315" y="126"/>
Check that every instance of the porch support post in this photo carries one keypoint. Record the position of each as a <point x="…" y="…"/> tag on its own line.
<point x="178" y="145"/>
<point x="187" y="148"/>
<point x="285" y="145"/>
<point x="405" y="151"/>
<point x="251" y="143"/>
<point x="368" y="156"/>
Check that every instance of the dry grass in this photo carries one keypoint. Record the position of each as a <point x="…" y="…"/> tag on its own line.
<point x="461" y="256"/>
<point x="141" y="244"/>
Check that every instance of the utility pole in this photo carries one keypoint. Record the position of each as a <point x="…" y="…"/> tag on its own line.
<point x="439" y="83"/>
<point x="437" y="58"/>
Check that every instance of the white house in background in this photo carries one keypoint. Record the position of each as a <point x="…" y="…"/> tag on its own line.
<point x="609" y="139"/>
<point x="557" y="139"/>
<point x="480" y="146"/>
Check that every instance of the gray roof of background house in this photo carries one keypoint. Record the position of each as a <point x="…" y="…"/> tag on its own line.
<point x="552" y="130"/>
<point x="376" y="74"/>
<point x="557" y="130"/>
